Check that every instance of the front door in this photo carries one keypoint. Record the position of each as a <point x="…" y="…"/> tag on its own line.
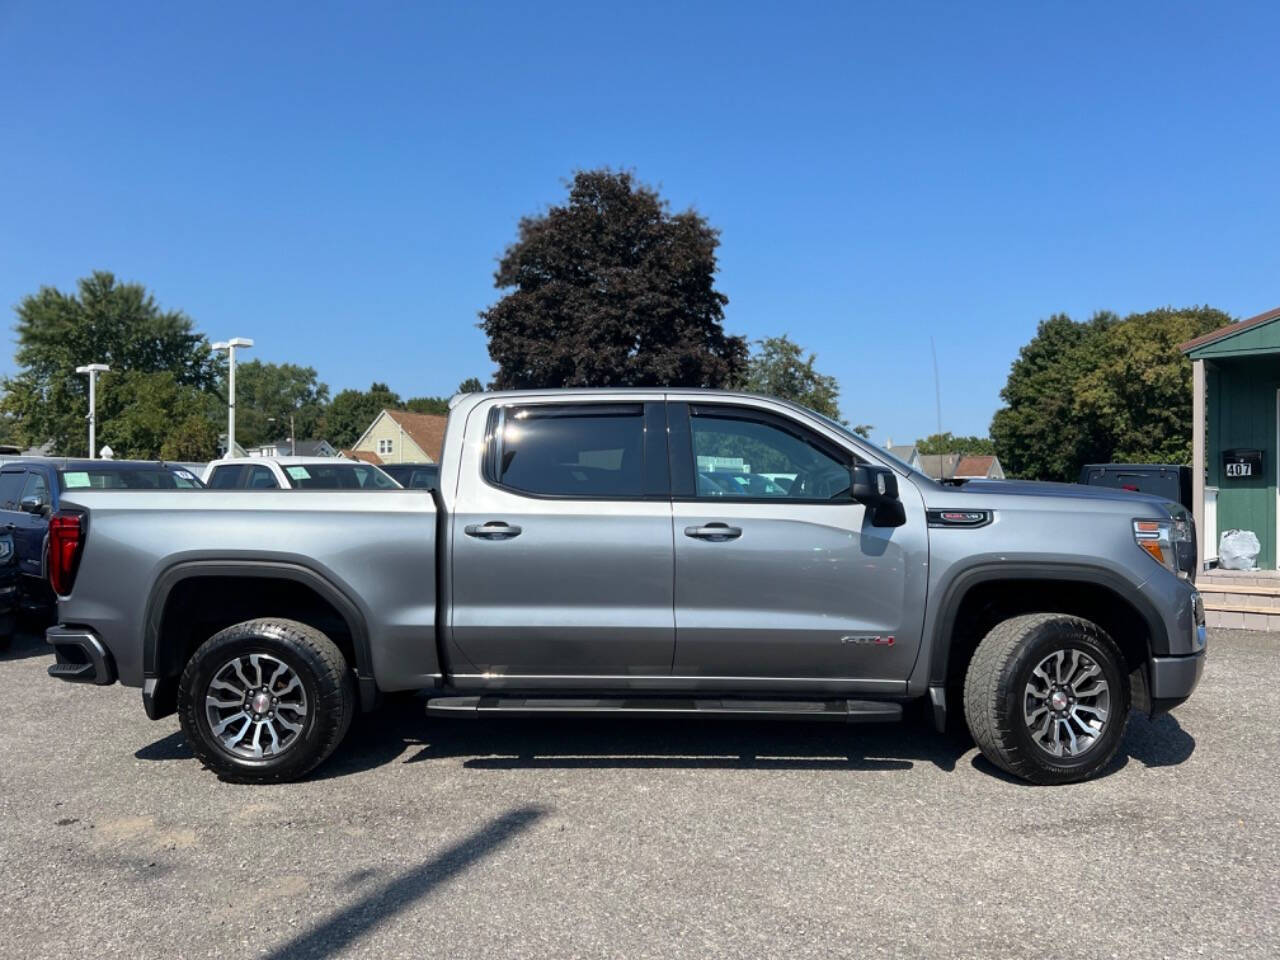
<point x="779" y="575"/>
<point x="562" y="559"/>
<point x="32" y="529"/>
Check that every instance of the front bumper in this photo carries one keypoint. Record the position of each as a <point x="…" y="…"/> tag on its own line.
<point x="1172" y="680"/>
<point x="81" y="657"/>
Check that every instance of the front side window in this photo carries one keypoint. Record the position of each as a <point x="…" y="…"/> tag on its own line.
<point x="745" y="457"/>
<point x="139" y="478"/>
<point x="571" y="451"/>
<point x="36" y="487"/>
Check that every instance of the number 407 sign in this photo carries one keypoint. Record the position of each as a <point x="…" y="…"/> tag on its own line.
<point x="1241" y="464"/>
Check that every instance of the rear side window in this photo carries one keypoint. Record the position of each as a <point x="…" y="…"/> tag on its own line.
<point x="261" y="478"/>
<point x="11" y="489"/>
<point x="224" y="478"/>
<point x="570" y="451"/>
<point x="338" y="476"/>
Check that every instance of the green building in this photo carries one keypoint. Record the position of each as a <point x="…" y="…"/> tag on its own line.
<point x="1235" y="447"/>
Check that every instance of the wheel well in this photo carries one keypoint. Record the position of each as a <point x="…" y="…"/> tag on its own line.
<point x="986" y="604"/>
<point x="198" y="607"/>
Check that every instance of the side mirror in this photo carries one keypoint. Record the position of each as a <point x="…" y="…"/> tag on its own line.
<point x="877" y="489"/>
<point x="32" y="505"/>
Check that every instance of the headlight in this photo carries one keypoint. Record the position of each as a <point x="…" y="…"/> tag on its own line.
<point x="1160" y="538"/>
<point x="6" y="549"/>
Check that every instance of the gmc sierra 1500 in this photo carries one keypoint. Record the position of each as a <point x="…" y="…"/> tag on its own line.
<point x="639" y="552"/>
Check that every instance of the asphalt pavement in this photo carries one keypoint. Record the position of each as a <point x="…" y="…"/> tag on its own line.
<point x="556" y="838"/>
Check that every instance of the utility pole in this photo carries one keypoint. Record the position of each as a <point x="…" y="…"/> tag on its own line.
<point x="937" y="387"/>
<point x="93" y="369"/>
<point x="230" y="346"/>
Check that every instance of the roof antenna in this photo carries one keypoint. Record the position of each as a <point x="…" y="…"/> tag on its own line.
<point x="937" y="388"/>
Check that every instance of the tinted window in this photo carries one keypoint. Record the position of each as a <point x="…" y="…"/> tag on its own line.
<point x="11" y="489"/>
<point x="134" y="478"/>
<point x="747" y="458"/>
<point x="573" y="451"/>
<point x="224" y="478"/>
<point x="416" y="477"/>
<point x="339" y="476"/>
<point x="36" y="486"/>
<point x="261" y="478"/>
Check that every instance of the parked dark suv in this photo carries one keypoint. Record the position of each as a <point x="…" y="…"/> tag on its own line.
<point x="31" y="491"/>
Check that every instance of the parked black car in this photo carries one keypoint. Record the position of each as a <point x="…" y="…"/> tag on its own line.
<point x="413" y="476"/>
<point x="8" y="589"/>
<point x="32" y="490"/>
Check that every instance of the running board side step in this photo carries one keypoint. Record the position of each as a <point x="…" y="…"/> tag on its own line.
<point x="845" y="711"/>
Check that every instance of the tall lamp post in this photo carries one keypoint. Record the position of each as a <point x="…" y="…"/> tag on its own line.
<point x="93" y="369"/>
<point x="230" y="346"/>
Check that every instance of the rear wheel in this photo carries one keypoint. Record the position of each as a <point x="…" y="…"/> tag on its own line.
<point x="1047" y="698"/>
<point x="266" y="700"/>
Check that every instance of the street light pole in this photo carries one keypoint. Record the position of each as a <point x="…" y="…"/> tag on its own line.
<point x="93" y="369"/>
<point x="230" y="347"/>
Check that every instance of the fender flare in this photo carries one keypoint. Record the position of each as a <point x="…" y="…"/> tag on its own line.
<point x="958" y="587"/>
<point x="267" y="570"/>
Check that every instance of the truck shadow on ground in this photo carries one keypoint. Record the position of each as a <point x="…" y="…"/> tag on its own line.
<point x="399" y="731"/>
<point x="27" y="643"/>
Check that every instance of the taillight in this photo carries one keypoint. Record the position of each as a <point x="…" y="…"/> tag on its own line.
<point x="66" y="538"/>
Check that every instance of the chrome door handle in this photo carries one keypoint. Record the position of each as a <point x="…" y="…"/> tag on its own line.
<point x="493" y="530"/>
<point x="715" y="532"/>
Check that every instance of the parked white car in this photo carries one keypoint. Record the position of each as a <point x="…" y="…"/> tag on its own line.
<point x="295" y="473"/>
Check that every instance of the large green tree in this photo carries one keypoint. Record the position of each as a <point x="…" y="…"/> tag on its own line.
<point x="267" y="393"/>
<point x="779" y="368"/>
<point x="611" y="289"/>
<point x="139" y="413"/>
<point x="1099" y="391"/>
<point x="104" y="321"/>
<point x="352" y="411"/>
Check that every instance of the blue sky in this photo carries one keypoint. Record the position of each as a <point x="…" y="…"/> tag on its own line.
<point x="337" y="180"/>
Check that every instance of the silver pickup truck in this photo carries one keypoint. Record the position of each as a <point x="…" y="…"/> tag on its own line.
<point x="647" y="552"/>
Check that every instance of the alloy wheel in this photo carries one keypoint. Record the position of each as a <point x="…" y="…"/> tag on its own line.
<point x="1067" y="703"/>
<point x="256" y="706"/>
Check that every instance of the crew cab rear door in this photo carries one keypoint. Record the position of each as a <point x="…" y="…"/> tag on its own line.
<point x="781" y="581"/>
<point x="562" y="565"/>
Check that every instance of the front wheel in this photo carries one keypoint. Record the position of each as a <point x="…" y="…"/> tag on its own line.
<point x="266" y="700"/>
<point x="1046" y="698"/>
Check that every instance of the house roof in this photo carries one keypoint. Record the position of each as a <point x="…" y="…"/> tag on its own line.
<point x="363" y="455"/>
<point x="303" y="448"/>
<point x="903" y="451"/>
<point x="1230" y="330"/>
<point x="974" y="466"/>
<point x="940" y="466"/>
<point x="424" y="429"/>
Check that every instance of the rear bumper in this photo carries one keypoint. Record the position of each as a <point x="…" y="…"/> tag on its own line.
<point x="81" y="657"/>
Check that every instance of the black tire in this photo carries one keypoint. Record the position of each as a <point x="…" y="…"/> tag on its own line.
<point x="318" y="664"/>
<point x="995" y="696"/>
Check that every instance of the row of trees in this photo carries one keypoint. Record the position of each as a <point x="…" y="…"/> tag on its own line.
<point x="607" y="289"/>
<point x="166" y="393"/>
<point x="1107" y="389"/>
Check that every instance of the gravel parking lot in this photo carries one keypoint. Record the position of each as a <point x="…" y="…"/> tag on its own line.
<point x="449" y="838"/>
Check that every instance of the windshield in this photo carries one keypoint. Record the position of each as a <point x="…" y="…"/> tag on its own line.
<point x="128" y="478"/>
<point x="338" y="476"/>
